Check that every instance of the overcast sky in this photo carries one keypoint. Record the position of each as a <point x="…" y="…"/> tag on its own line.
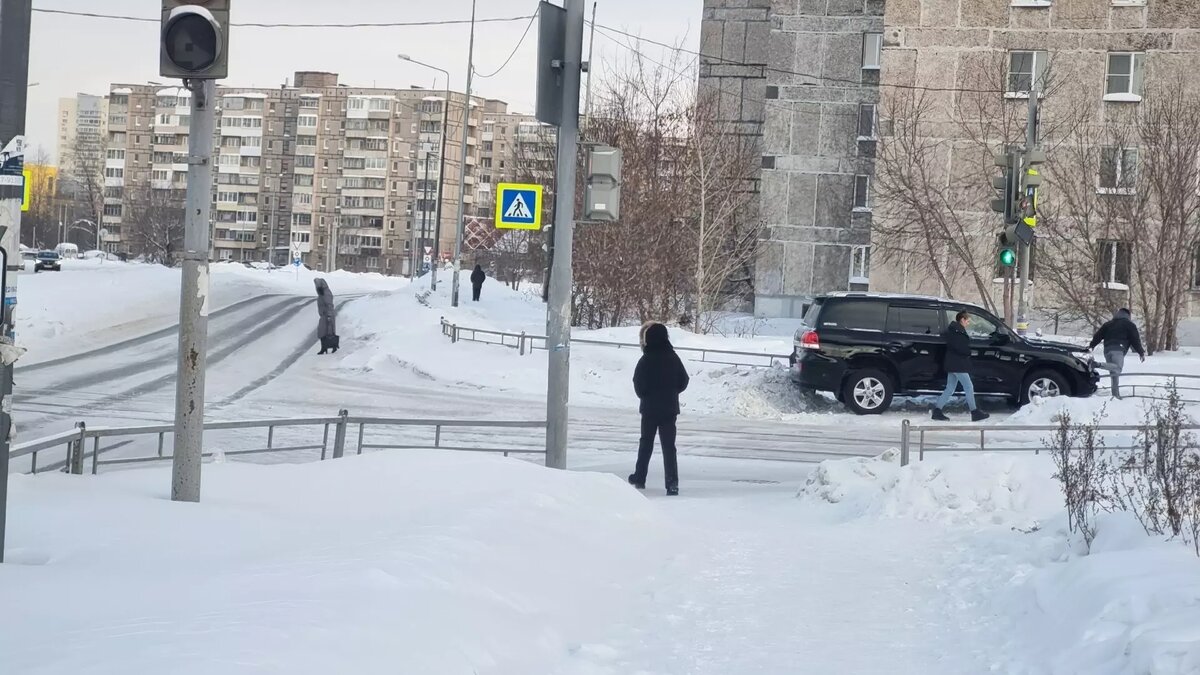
<point x="74" y="54"/>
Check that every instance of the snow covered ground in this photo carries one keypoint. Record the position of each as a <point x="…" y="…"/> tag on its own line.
<point x="412" y="561"/>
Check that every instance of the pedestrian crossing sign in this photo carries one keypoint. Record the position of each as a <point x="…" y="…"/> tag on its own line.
<point x="518" y="206"/>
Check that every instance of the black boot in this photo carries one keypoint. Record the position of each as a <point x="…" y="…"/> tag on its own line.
<point x="979" y="416"/>
<point x="633" y="481"/>
<point x="673" y="491"/>
<point x="324" y="347"/>
<point x="939" y="415"/>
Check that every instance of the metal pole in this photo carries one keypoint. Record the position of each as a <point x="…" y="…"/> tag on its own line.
<point x="437" y="226"/>
<point x="462" y="192"/>
<point x="418" y="254"/>
<point x="193" y="302"/>
<point x="587" y="107"/>
<point x="558" y="310"/>
<point x="15" y="17"/>
<point x="1030" y="143"/>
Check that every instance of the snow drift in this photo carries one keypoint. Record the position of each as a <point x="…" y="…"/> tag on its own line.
<point x="415" y="562"/>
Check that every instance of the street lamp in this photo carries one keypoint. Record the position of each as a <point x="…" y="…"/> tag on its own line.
<point x="437" y="226"/>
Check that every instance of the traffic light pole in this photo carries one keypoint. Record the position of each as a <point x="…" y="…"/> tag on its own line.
<point x="558" y="309"/>
<point x="462" y="191"/>
<point x="193" y="302"/>
<point x="1026" y="248"/>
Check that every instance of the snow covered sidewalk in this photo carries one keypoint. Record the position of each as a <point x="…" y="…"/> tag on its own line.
<point x="763" y="585"/>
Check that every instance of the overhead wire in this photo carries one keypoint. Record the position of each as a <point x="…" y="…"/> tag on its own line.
<point x="520" y="42"/>
<point x="258" y="24"/>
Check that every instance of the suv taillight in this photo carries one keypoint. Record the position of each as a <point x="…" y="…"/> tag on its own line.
<point x="810" y="340"/>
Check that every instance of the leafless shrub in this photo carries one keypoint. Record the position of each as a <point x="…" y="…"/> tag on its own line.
<point x="1078" y="451"/>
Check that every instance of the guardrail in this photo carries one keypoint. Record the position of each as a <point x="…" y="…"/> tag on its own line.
<point x="526" y="343"/>
<point x="1148" y="391"/>
<point x="907" y="430"/>
<point x="76" y="442"/>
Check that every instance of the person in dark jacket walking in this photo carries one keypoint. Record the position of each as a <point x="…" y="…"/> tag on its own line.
<point x="957" y="363"/>
<point x="327" y="324"/>
<point x="658" y="380"/>
<point x="477" y="279"/>
<point x="1119" y="334"/>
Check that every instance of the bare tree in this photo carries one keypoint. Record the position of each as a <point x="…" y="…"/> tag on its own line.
<point x="154" y="224"/>
<point x="84" y="186"/>
<point x="722" y="169"/>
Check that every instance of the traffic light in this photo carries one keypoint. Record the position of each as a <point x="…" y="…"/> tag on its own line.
<point x="1006" y="186"/>
<point x="1008" y="245"/>
<point x="1031" y="180"/>
<point x="195" y="39"/>
<point x="603" y="194"/>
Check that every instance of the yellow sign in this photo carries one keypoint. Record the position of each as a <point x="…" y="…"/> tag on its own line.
<point x="26" y="198"/>
<point x="518" y="206"/>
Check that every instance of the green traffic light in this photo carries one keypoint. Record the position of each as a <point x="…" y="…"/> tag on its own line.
<point x="1007" y="257"/>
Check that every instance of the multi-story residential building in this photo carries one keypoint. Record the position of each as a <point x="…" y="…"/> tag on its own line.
<point x="803" y="78"/>
<point x="346" y="177"/>
<point x="82" y="130"/>
<point x="966" y="68"/>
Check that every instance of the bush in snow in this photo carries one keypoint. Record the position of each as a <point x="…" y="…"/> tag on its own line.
<point x="1157" y="479"/>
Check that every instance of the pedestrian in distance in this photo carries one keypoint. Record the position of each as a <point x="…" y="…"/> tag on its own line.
<point x="658" y="380"/>
<point x="957" y="363"/>
<point x="477" y="279"/>
<point x="327" y="324"/>
<point x="1119" y="335"/>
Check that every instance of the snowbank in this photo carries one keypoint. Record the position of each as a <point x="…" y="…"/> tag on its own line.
<point x="421" y="562"/>
<point x="93" y="303"/>
<point x="398" y="336"/>
<point x="1130" y="607"/>
<point x="977" y="489"/>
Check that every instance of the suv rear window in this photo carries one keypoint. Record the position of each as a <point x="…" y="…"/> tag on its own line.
<point x="855" y="315"/>
<point x="914" y="320"/>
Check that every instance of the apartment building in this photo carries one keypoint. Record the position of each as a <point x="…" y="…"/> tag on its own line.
<point x="802" y="77"/>
<point x="345" y="177"/>
<point x="82" y="130"/>
<point x="971" y="60"/>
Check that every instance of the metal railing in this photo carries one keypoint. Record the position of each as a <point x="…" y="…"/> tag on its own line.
<point x="923" y="445"/>
<point x="76" y="442"/>
<point x="526" y="343"/>
<point x="1153" y="390"/>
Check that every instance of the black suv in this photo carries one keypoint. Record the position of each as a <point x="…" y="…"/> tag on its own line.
<point x="868" y="347"/>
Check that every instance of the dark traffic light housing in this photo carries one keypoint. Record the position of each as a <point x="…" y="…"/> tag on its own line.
<point x="194" y="40"/>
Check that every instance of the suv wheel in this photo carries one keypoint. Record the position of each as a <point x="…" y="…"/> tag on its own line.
<point x="1044" y="384"/>
<point x="867" y="392"/>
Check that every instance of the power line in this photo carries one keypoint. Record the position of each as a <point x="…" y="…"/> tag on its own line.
<point x="514" y="51"/>
<point x="784" y="71"/>
<point x="380" y="24"/>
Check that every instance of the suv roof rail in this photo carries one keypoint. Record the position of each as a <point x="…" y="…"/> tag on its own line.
<point x="897" y="296"/>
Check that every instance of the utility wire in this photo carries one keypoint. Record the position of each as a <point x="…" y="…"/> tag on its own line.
<point x="514" y="51"/>
<point x="783" y="71"/>
<point x="380" y="24"/>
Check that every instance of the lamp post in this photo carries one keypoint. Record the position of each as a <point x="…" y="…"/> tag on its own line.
<point x="437" y="226"/>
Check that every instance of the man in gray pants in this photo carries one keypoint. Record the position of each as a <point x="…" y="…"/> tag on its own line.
<point x="1118" y="335"/>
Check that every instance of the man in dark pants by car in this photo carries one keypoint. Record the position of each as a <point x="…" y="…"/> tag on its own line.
<point x="1118" y="335"/>
<point x="658" y="380"/>
<point x="957" y="362"/>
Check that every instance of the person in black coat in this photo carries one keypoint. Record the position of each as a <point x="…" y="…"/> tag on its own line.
<point x="658" y="380"/>
<point x="957" y="363"/>
<point x="1118" y="335"/>
<point x="477" y="279"/>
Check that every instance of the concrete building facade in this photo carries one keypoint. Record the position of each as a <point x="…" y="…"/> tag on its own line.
<point x="803" y="76"/>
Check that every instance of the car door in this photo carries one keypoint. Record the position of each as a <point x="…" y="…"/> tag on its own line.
<point x="915" y="344"/>
<point x="991" y="363"/>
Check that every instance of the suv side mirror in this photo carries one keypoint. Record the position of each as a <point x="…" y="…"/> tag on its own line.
<point x="999" y="338"/>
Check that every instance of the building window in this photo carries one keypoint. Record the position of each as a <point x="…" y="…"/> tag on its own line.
<point x="306" y="121"/>
<point x="872" y="50"/>
<point x="1113" y="264"/>
<point x="768" y="162"/>
<point x="1025" y="68"/>
<point x="860" y="265"/>
<point x="1125" y="70"/>
<point x="1118" y="170"/>
<point x="862" y="193"/>
<point x="866" y="121"/>
<point x="772" y="92"/>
